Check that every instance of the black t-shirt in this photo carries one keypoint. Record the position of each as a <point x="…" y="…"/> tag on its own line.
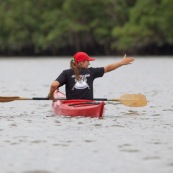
<point x="82" y="89"/>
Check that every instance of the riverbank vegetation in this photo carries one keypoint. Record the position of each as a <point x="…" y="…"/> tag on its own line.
<point x="99" y="27"/>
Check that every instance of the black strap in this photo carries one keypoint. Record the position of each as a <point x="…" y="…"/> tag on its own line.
<point x="93" y="103"/>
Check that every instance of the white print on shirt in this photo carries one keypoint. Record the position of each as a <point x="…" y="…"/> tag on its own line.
<point x="82" y="83"/>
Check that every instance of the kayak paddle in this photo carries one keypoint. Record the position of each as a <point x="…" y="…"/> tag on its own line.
<point x="131" y="100"/>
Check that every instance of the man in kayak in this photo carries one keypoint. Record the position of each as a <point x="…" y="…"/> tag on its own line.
<point x="78" y="79"/>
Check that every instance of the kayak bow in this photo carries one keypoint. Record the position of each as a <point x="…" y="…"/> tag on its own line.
<point x="77" y="107"/>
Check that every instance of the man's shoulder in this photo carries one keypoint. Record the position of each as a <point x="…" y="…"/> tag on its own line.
<point x="95" y="68"/>
<point x="68" y="70"/>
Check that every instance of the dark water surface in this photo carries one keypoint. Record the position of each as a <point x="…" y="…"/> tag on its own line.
<point x="133" y="140"/>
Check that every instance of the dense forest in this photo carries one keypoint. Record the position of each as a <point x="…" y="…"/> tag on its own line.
<point x="99" y="27"/>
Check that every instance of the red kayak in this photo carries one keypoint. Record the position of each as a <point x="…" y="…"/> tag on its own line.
<point x="77" y="107"/>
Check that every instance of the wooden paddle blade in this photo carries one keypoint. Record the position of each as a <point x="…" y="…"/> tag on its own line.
<point x="13" y="98"/>
<point x="9" y="99"/>
<point x="133" y="100"/>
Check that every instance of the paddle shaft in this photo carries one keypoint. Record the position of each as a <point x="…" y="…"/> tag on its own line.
<point x="96" y="99"/>
<point x="40" y="98"/>
<point x="105" y="99"/>
<point x="132" y="100"/>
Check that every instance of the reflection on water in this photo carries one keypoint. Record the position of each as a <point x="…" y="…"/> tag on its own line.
<point x="33" y="140"/>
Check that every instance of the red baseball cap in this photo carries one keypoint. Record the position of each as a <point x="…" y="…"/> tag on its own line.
<point x="82" y="56"/>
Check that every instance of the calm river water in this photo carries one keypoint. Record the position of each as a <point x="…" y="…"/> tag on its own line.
<point x="133" y="140"/>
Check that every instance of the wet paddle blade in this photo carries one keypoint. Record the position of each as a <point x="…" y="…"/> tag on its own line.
<point x="8" y="99"/>
<point x="133" y="100"/>
<point x="13" y="98"/>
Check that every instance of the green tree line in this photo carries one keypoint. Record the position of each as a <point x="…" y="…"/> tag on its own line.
<point x="61" y="27"/>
